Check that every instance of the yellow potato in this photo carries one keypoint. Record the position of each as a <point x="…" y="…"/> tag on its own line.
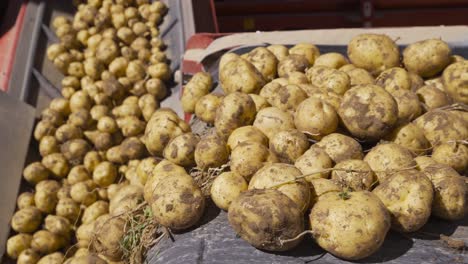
<point x="206" y="106"/>
<point x="340" y="147"/>
<point x="25" y="199"/>
<point x="362" y="179"/>
<point x="264" y="61"/>
<point x="292" y="63"/>
<point x="427" y="57"/>
<point x="313" y="160"/>
<point x="236" y="110"/>
<point x="181" y="149"/>
<point x="358" y="76"/>
<point x="285" y="98"/>
<point x="248" y="157"/>
<point x="329" y="79"/>
<point x="28" y="256"/>
<point x="319" y="187"/>
<point x="309" y="51"/>
<point x="452" y="154"/>
<point x="17" y="244"/>
<point x="332" y="60"/>
<point x="69" y="209"/>
<point x="239" y="75"/>
<point x="162" y="170"/>
<point x="226" y="188"/>
<point x="280" y="51"/>
<point x="45" y="242"/>
<point x="246" y="134"/>
<point x="272" y="120"/>
<point x="211" y="152"/>
<point x="394" y="79"/>
<point x="454" y="79"/>
<point x="199" y="86"/>
<point x="92" y="212"/>
<point x="289" y="145"/>
<point x="410" y="137"/>
<point x="441" y="126"/>
<point x="315" y="118"/>
<point x="432" y="97"/>
<point x="35" y="173"/>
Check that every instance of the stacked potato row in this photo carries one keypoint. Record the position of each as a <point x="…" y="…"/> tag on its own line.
<point x="115" y="71"/>
<point x="363" y="145"/>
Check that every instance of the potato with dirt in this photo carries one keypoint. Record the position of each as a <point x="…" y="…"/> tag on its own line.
<point x="28" y="256"/>
<point x="246" y="134"/>
<point x="353" y="175"/>
<point x="329" y="79"/>
<point x="108" y="232"/>
<point x="408" y="105"/>
<point x="315" y="118"/>
<point x="58" y="225"/>
<point x="351" y="225"/>
<point x="410" y="137"/>
<point x="289" y="145"/>
<point x="298" y="78"/>
<point x="145" y="168"/>
<point x="427" y="58"/>
<point x="239" y="75"/>
<point x="386" y="159"/>
<point x="432" y="97"/>
<point x="206" y="106"/>
<point x="226" y="187"/>
<point x="340" y="147"/>
<point x="452" y="154"/>
<point x="332" y="60"/>
<point x="368" y="111"/>
<point x="25" y="199"/>
<point x="125" y="199"/>
<point x="181" y="149"/>
<point x="441" y="126"/>
<point x="272" y="120"/>
<point x="69" y="209"/>
<point x="236" y="110"/>
<point x="314" y="163"/>
<point x="373" y="52"/>
<point x="256" y="226"/>
<point x="308" y="50"/>
<point x="84" y="192"/>
<point x="408" y="196"/>
<point x="321" y="186"/>
<point x="264" y="61"/>
<point x="199" y="86"/>
<point x="26" y="220"/>
<point x="57" y="164"/>
<point x="358" y="76"/>
<point x="454" y="79"/>
<point x="280" y="51"/>
<point x="74" y="151"/>
<point x="178" y="202"/>
<point x="46" y="242"/>
<point x="162" y="170"/>
<point x="45" y="197"/>
<point x="53" y="258"/>
<point x="211" y="151"/>
<point x="292" y="63"/>
<point x="394" y="79"/>
<point x="48" y="145"/>
<point x="17" y="244"/>
<point x="285" y="98"/>
<point x="248" y="157"/>
<point x="35" y="173"/>
<point x="104" y="174"/>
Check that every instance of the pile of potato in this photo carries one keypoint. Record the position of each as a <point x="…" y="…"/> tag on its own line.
<point x="360" y="146"/>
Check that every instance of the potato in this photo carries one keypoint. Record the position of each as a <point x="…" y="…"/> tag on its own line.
<point x="89" y="258"/>
<point x="84" y="235"/>
<point x="25" y="199"/>
<point x="84" y="192"/>
<point x="315" y="118"/>
<point x="454" y="81"/>
<point x="432" y="98"/>
<point x="264" y="61"/>
<point x="226" y="187"/>
<point x="106" y="51"/>
<point x="104" y="174"/>
<point x="452" y="154"/>
<point x="358" y="76"/>
<point x="330" y="98"/>
<point x="329" y="79"/>
<point x="48" y="145"/>
<point x="394" y="79"/>
<point x="157" y="87"/>
<point x="78" y="174"/>
<point x="28" y="256"/>
<point x="332" y="60"/>
<point x="442" y="126"/>
<point x="45" y="242"/>
<point x="248" y="157"/>
<point x="52" y="116"/>
<point x="148" y="105"/>
<point x="17" y="244"/>
<point x="289" y="145"/>
<point x="109" y="231"/>
<point x="236" y="110"/>
<point x="281" y="81"/>
<point x="450" y="192"/>
<point x="340" y="147"/>
<point x="57" y="164"/>
<point x="354" y="180"/>
<point x="43" y="128"/>
<point x="211" y="152"/>
<point x="265" y="219"/>
<point x="101" y="140"/>
<point x="35" y="172"/>
<point x="74" y="151"/>
<point x="159" y="70"/>
<point x="95" y="210"/>
<point x="416" y="81"/>
<point x="321" y="186"/>
<point x="309" y="51"/>
<point x="58" y="225"/>
<point x="285" y="98"/>
<point x="436" y="82"/>
<point x="351" y="226"/>
<point x="199" y="86"/>
<point x="178" y="202"/>
<point x="227" y="57"/>
<point x="26" y="220"/>
<point x="313" y="160"/>
<point x="145" y="168"/>
<point x="297" y="78"/>
<point x="45" y="197"/>
<point x="246" y="134"/>
<point x="161" y="128"/>
<point x="54" y="50"/>
<point x="373" y="52"/>
<point x="387" y="158"/>
<point x="80" y="100"/>
<point x="292" y="63"/>
<point x="408" y="196"/>
<point x="427" y="58"/>
<point x="67" y="132"/>
<point x="162" y="170"/>
<point x="53" y="258"/>
<point x="131" y="126"/>
<point x="280" y="51"/>
<point x="239" y="75"/>
<point x="181" y="149"/>
<point x="205" y="107"/>
<point x="368" y="111"/>
<point x="410" y="137"/>
<point x="69" y="209"/>
<point x="127" y="198"/>
<point x="408" y="104"/>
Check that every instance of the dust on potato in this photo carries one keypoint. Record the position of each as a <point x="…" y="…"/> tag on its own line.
<point x="427" y="57"/>
<point x="312" y="161"/>
<point x="360" y="176"/>
<point x="329" y="79"/>
<point x="285" y="98"/>
<point x="289" y="145"/>
<point x="226" y="187"/>
<point x="340" y="147"/>
<point x="239" y="75"/>
<point x="315" y="118"/>
<point x="248" y="157"/>
<point x="271" y="120"/>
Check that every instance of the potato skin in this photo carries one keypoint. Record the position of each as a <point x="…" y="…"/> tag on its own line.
<point x="289" y="145"/>
<point x="432" y="97"/>
<point x="162" y="170"/>
<point x="408" y="196"/>
<point x="354" y="181"/>
<point x="246" y="134"/>
<point x="181" y="149"/>
<point x="332" y="60"/>
<point x="28" y="256"/>
<point x="315" y="118"/>
<point x="206" y="106"/>
<point x="26" y="220"/>
<point x="194" y="90"/>
<point x="211" y="152"/>
<point x="373" y="52"/>
<point x="292" y="63"/>
<point x="264" y="61"/>
<point x="35" y="172"/>
<point x="95" y="210"/>
<point x="319" y="187"/>
<point x="53" y="258"/>
<point x="178" y="202"/>
<point x="17" y="244"/>
<point x="340" y="147"/>
<point x="365" y="116"/>
<point x="25" y="199"/>
<point x="329" y="79"/>
<point x="248" y="157"/>
<point x="277" y="173"/>
<point x="239" y="75"/>
<point x="314" y="159"/>
<point x="271" y="120"/>
<point x="410" y="137"/>
<point x="455" y="81"/>
<point x="441" y="126"/>
<point x="394" y="79"/>
<point x="285" y="98"/>
<point x="260" y="102"/>
<point x="358" y="76"/>
<point x="387" y="157"/>
<point x="280" y="51"/>
<point x="351" y="228"/>
<point x="452" y="154"/>
<point x="45" y="197"/>
<point x="255" y="213"/>
<point x="236" y="110"/>
<point x="45" y="242"/>
<point x="308" y="50"/>
<point x="108" y="232"/>
<point x="427" y="57"/>
<point x="226" y="188"/>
